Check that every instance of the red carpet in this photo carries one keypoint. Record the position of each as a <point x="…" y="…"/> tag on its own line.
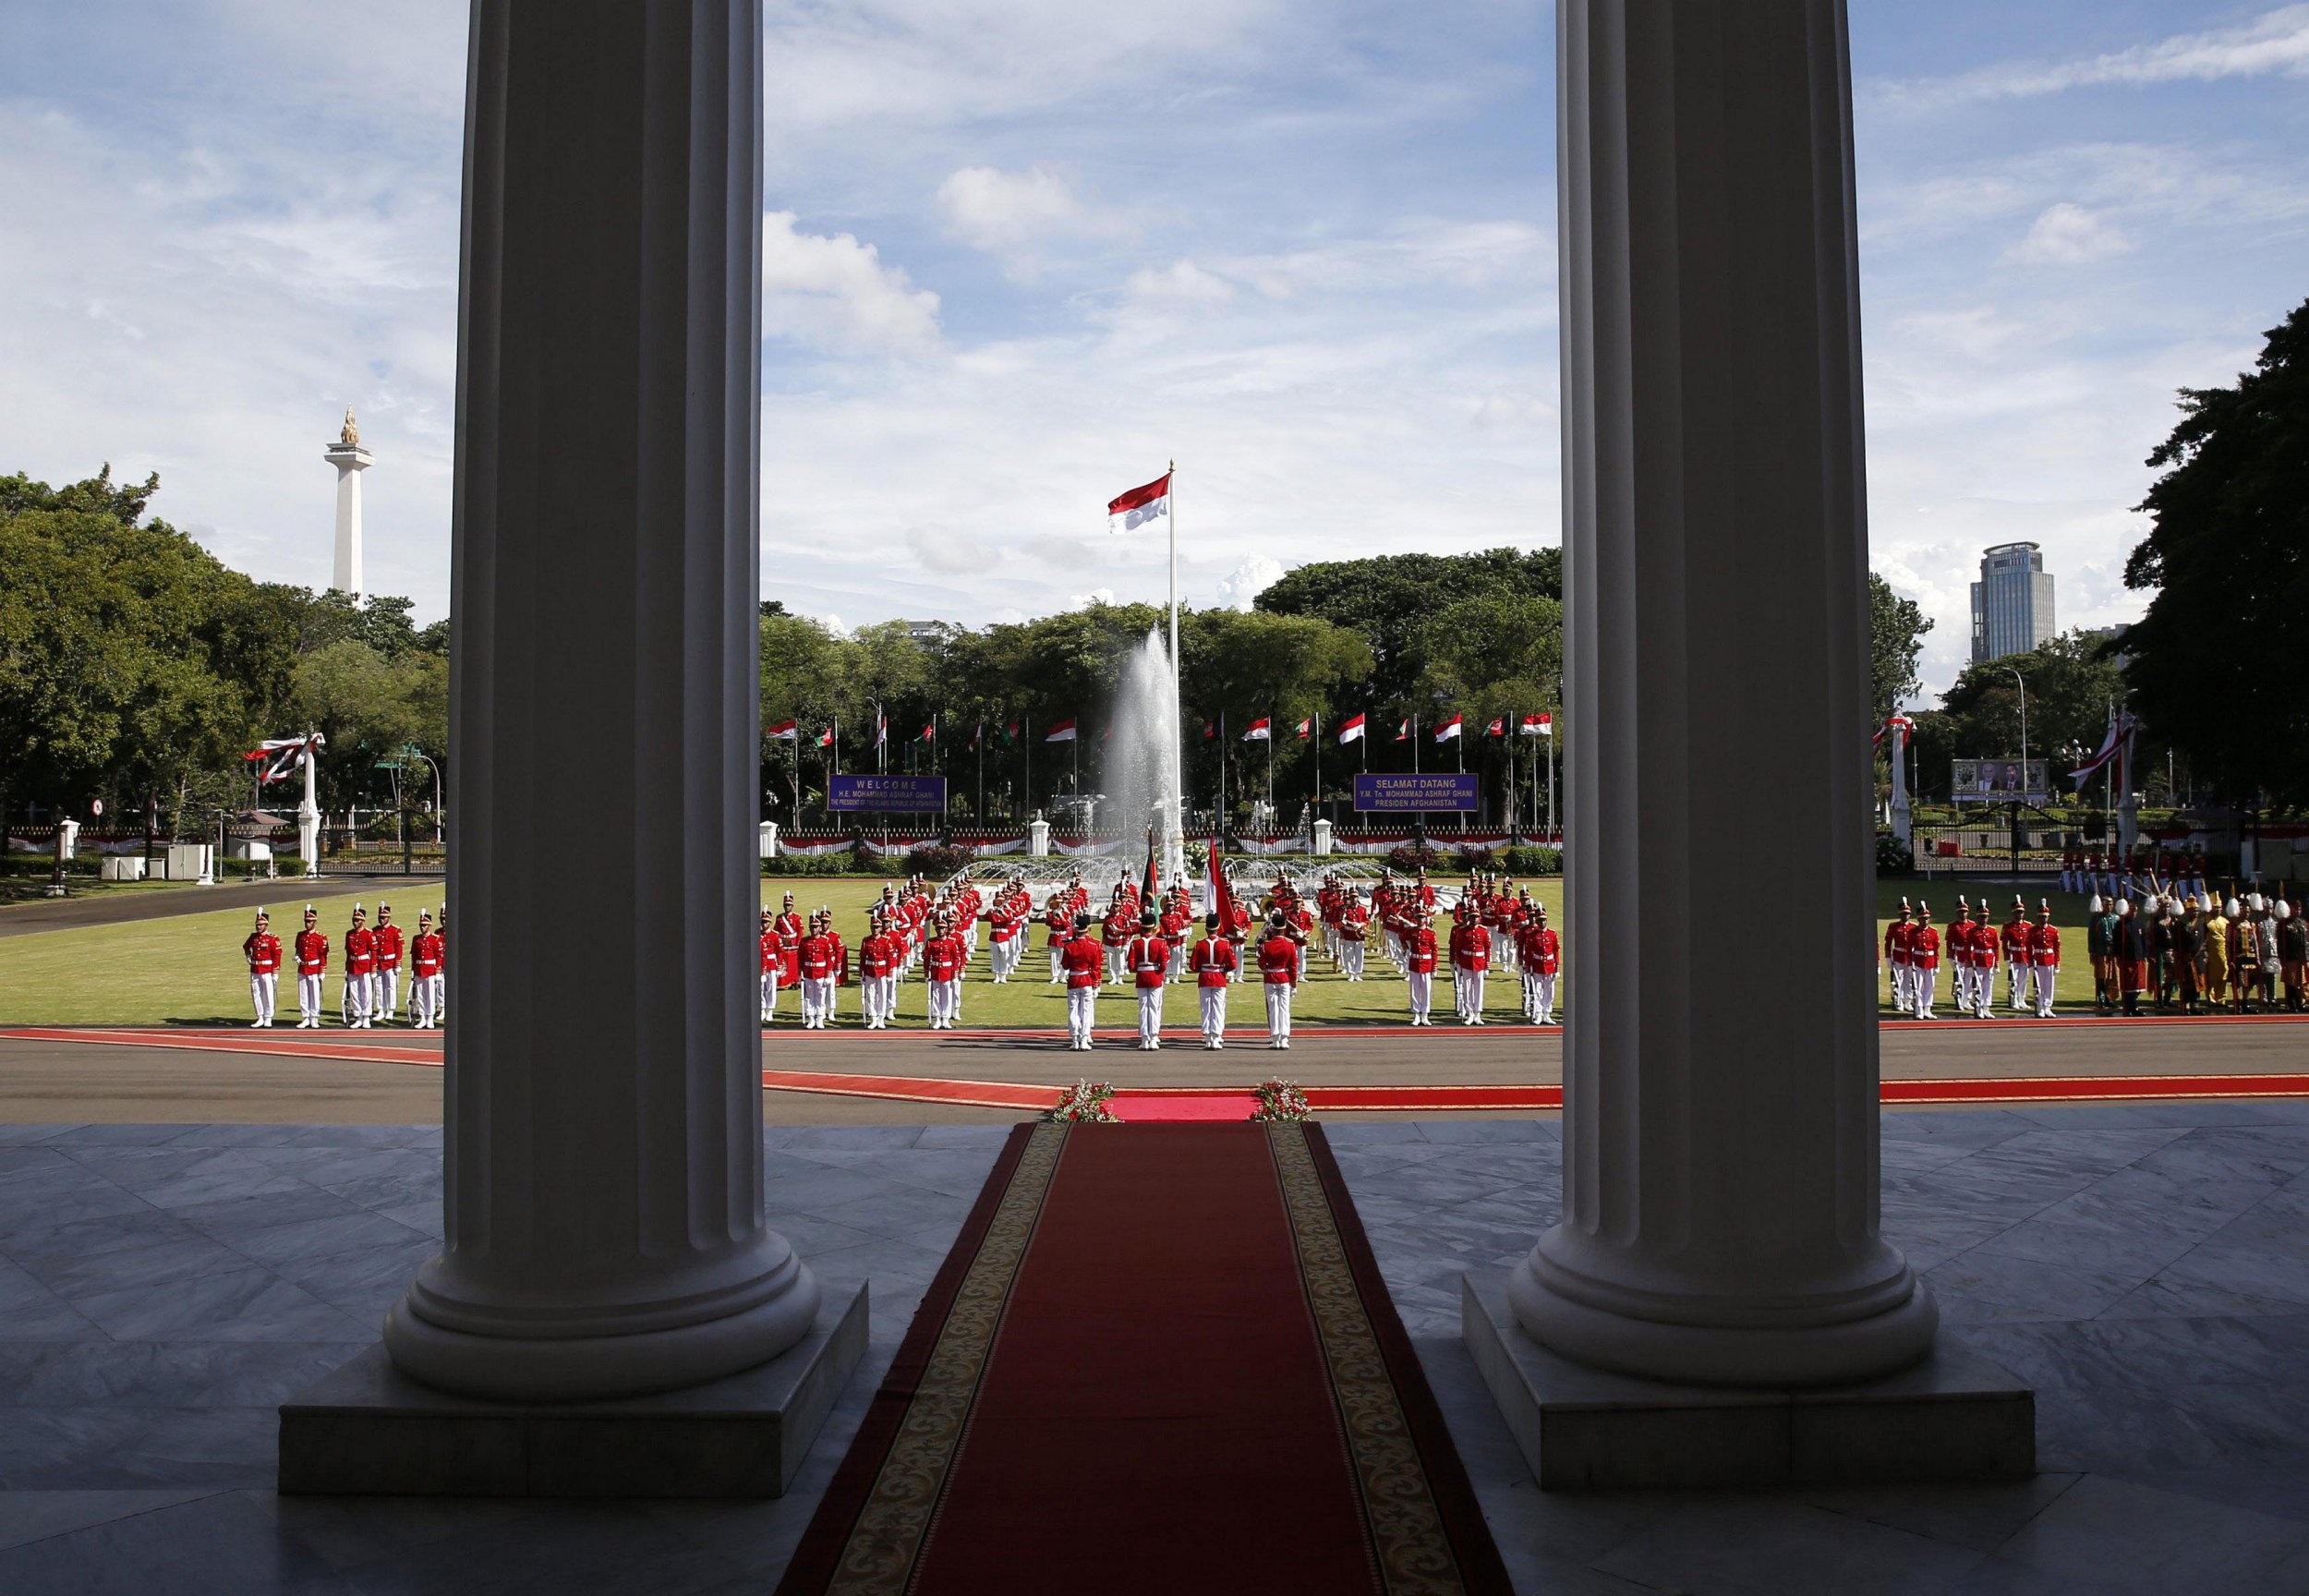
<point x="1159" y="1360"/>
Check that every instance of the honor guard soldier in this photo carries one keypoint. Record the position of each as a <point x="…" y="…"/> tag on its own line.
<point x="2016" y="936"/>
<point x="387" y="984"/>
<point x="2131" y="954"/>
<point x="1083" y="960"/>
<point x="773" y="964"/>
<point x="1419" y="962"/>
<point x="1280" y="956"/>
<point x="1114" y="933"/>
<point x="2100" y="934"/>
<point x="943" y="957"/>
<point x="878" y="957"/>
<point x="1147" y="957"/>
<point x="819" y="962"/>
<point x="1354" y="934"/>
<point x="1923" y="962"/>
<point x="2292" y="956"/>
<point x="1898" y="938"/>
<point x="1214" y="963"/>
<point x="2265" y="925"/>
<point x="1470" y="957"/>
<point x="263" y="949"/>
<point x="1178" y="915"/>
<point x="1058" y="923"/>
<point x="1004" y="929"/>
<point x="1963" y="969"/>
<point x="312" y="963"/>
<point x="429" y="963"/>
<point x="360" y="971"/>
<point x="1544" y="960"/>
<point x="2044" y="958"/>
<point x="2245" y="951"/>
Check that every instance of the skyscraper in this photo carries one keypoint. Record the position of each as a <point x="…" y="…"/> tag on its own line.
<point x="2012" y="603"/>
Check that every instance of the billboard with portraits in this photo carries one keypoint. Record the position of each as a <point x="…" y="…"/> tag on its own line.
<point x="2001" y="781"/>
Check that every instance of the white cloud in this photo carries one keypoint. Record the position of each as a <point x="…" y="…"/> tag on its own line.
<point x="835" y="294"/>
<point x="833" y="624"/>
<point x="1248" y="580"/>
<point x="2275" y="43"/>
<point x="1182" y="281"/>
<point x="1095" y="596"/>
<point x="2066" y="235"/>
<point x="1021" y="217"/>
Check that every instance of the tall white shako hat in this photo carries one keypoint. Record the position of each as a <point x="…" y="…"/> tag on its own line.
<point x="2258" y="902"/>
<point x="2044" y="906"/>
<point x="2124" y="906"/>
<point x="2093" y="907"/>
<point x="2232" y="908"/>
<point x="2284" y="909"/>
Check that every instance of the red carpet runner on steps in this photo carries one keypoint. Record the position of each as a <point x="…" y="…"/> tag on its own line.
<point x="1159" y="1359"/>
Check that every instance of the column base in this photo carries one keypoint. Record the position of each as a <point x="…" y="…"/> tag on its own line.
<point x="371" y="1430"/>
<point x="1955" y="1416"/>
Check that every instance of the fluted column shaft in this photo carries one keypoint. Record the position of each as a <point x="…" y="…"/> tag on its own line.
<point x="605" y="1230"/>
<point x="1720" y="1145"/>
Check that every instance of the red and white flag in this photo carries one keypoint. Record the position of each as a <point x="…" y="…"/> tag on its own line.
<point x="1062" y="733"/>
<point x="825" y="738"/>
<point x="1498" y="728"/>
<point x="784" y="731"/>
<point x="1259" y="730"/>
<point x="1135" y="509"/>
<point x="1537" y="726"/>
<point x="1403" y="733"/>
<point x="1898" y="724"/>
<point x="1351" y="728"/>
<point x="881" y="730"/>
<point x="929" y="733"/>
<point x="976" y="732"/>
<point x="1449" y="730"/>
<point x="1210" y="730"/>
<point x="286" y="754"/>
<point x="1306" y="729"/>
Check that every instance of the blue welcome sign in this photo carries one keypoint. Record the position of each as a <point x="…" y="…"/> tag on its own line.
<point x="887" y="795"/>
<point x="1427" y="792"/>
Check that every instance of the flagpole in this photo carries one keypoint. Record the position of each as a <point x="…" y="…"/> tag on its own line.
<point x="1177" y="697"/>
<point x="1314" y="726"/>
<point x="1026" y="752"/>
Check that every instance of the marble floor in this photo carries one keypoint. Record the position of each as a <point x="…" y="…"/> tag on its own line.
<point x="162" y="1287"/>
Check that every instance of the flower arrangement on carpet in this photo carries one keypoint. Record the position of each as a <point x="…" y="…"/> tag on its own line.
<point x="1280" y="1099"/>
<point x="1086" y="1103"/>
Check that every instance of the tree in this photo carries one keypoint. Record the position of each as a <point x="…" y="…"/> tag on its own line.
<point x="1390" y="601"/>
<point x="2215" y="665"/>
<point x="1896" y="629"/>
<point x="2071" y="684"/>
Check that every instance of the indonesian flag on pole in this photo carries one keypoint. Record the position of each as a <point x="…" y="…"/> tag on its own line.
<point x="1259" y="730"/>
<point x="784" y="731"/>
<point x="1537" y="726"/>
<point x="1062" y="733"/>
<point x="976" y="732"/>
<point x="1136" y="508"/>
<point x="1498" y="728"/>
<point x="1351" y="728"/>
<point x="2120" y="731"/>
<point x="1899" y="724"/>
<point x="1449" y="730"/>
<point x="286" y="754"/>
<point x="881" y="730"/>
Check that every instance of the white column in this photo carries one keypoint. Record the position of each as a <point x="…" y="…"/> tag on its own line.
<point x="605" y="1229"/>
<point x="1903" y="818"/>
<point x="350" y="459"/>
<point x="308" y="818"/>
<point x="1720" y="1155"/>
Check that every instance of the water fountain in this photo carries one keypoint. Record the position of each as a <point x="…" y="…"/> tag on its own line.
<point x="1141" y="775"/>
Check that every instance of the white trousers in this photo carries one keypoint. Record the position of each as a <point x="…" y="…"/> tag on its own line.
<point x="1466" y="987"/>
<point x="769" y="992"/>
<point x="1422" y="985"/>
<point x="388" y="993"/>
<point x="1081" y="1014"/>
<point x="1213" y="1014"/>
<point x="1544" y="985"/>
<point x="1057" y="972"/>
<point x="360" y="995"/>
<point x="425" y="992"/>
<point x="1280" y="1012"/>
<point x="2041" y="977"/>
<point x="817" y="1001"/>
<point x="1151" y="1014"/>
<point x="308" y="997"/>
<point x="261" y="990"/>
<point x="1924" y="980"/>
<point x="946" y="1000"/>
<point x="1116" y="957"/>
<point x="2016" y="988"/>
<point x="1902" y="999"/>
<point x="1352" y="958"/>
<point x="999" y="957"/>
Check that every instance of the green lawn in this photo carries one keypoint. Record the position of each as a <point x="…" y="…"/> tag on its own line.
<point x="188" y="969"/>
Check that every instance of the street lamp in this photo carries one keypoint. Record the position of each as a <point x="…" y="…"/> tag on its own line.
<point x="2020" y="798"/>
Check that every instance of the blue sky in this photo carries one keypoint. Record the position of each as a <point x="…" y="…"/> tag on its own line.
<point x="1021" y="252"/>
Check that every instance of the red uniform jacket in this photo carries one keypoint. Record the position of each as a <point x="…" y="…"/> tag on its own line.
<point x="773" y="948"/>
<point x="878" y="955"/>
<point x="1083" y="961"/>
<point x="429" y="952"/>
<point x="360" y="950"/>
<point x="1924" y="949"/>
<point x="2018" y="936"/>
<point x="1119" y="926"/>
<point x="1470" y="948"/>
<point x="1546" y="956"/>
<point x="388" y="947"/>
<point x="312" y="952"/>
<point x="789" y="925"/>
<point x="1354" y="922"/>
<point x="263" y="951"/>
<point x="819" y="958"/>
<point x="1278" y="961"/>
<point x="1148" y="957"/>
<point x="1419" y="950"/>
<point x="943" y="956"/>
<point x="1899" y="939"/>
<point x="2044" y="945"/>
<point x="1214" y="961"/>
<point x="1062" y="924"/>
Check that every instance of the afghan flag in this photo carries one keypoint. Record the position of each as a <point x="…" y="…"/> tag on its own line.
<point x="1135" y="509"/>
<point x="1403" y="733"/>
<point x="1306" y="729"/>
<point x="1498" y="728"/>
<point x="1009" y="734"/>
<point x="1062" y="733"/>
<point x="1351" y="730"/>
<point x="929" y="733"/>
<point x="1222" y="895"/>
<point x="1151" y="889"/>
<point x="825" y="738"/>
<point x="1259" y="730"/>
<point x="1210" y="730"/>
<point x="784" y="731"/>
<point x="1449" y="730"/>
<point x="1537" y="726"/>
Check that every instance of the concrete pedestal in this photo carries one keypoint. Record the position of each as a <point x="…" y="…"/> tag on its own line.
<point x="1038" y="839"/>
<point x="1323" y="839"/>
<point x="1955" y="1416"/>
<point x="370" y="1430"/>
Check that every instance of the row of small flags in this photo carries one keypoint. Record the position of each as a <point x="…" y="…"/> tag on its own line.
<point x="1259" y="730"/>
